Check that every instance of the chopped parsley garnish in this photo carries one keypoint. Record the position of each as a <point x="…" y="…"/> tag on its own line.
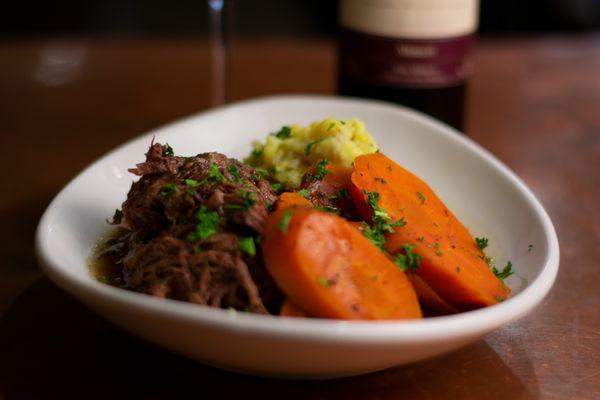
<point x="389" y="167"/>
<point x="482" y="242"/>
<point x="304" y="193"/>
<point x="248" y="246"/>
<point x="408" y="259"/>
<point x="247" y="197"/>
<point x="284" y="133"/>
<point x="328" y="209"/>
<point x="375" y="236"/>
<point x="255" y="177"/>
<point x="263" y="172"/>
<point x="381" y="221"/>
<point x="421" y="197"/>
<point x="257" y="152"/>
<point x="341" y="194"/>
<point x="208" y="222"/>
<point x="234" y="172"/>
<point x="168" y="151"/>
<point x="192" y="183"/>
<point x="309" y="146"/>
<point x="331" y="126"/>
<point x="380" y="179"/>
<point x="529" y="247"/>
<point x="324" y="282"/>
<point x="320" y="171"/>
<point x="214" y="175"/>
<point x="102" y="279"/>
<point x="439" y="252"/>
<point x="276" y="187"/>
<point x="168" y="189"/>
<point x="284" y="222"/>
<point x="505" y="273"/>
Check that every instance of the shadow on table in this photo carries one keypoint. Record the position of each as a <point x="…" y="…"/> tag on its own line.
<point x="53" y="347"/>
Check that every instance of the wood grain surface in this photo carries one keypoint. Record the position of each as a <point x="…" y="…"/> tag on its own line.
<point x="533" y="102"/>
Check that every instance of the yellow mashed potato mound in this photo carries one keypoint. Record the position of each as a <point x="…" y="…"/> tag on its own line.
<point x="287" y="154"/>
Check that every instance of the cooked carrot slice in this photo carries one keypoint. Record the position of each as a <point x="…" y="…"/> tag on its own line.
<point x="329" y="189"/>
<point x="290" y="199"/>
<point x="289" y="309"/>
<point x="431" y="302"/>
<point x="326" y="267"/>
<point x="452" y="264"/>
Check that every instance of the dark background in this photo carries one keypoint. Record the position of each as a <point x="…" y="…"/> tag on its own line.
<point x="261" y="17"/>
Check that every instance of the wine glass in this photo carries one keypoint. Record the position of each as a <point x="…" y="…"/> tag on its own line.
<point x="219" y="11"/>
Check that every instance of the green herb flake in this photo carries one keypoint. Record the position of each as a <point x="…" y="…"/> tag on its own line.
<point x="328" y="209"/>
<point x="324" y="282"/>
<point x="208" y="223"/>
<point x="168" y="151"/>
<point x="421" y="197"/>
<point x="309" y="146"/>
<point x="400" y="261"/>
<point x="389" y="167"/>
<point x="304" y="193"/>
<point x="263" y="172"/>
<point x="284" y="133"/>
<point x="276" y="187"/>
<point x="331" y="126"/>
<point x="320" y="171"/>
<point x="341" y="194"/>
<point x="376" y="237"/>
<point x="247" y="245"/>
<point x="248" y="201"/>
<point x="257" y="152"/>
<point x="505" y="273"/>
<point x="380" y="179"/>
<point x="192" y="183"/>
<point x="285" y="220"/>
<point x="439" y="252"/>
<point x="103" y="279"/>
<point x="214" y="175"/>
<point x="482" y="242"/>
<point x="381" y="221"/>
<point x="168" y="189"/>
<point x="529" y="248"/>
<point x="234" y="172"/>
<point x="413" y="260"/>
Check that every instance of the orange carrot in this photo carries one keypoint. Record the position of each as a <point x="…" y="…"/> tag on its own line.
<point x="329" y="188"/>
<point x="326" y="267"/>
<point x="290" y="199"/>
<point x="428" y="298"/>
<point x="289" y="309"/>
<point x="452" y="264"/>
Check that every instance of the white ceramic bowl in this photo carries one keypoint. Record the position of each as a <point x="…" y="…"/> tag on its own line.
<point x="482" y="192"/>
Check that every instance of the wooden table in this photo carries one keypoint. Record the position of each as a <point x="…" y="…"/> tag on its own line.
<point x="534" y="102"/>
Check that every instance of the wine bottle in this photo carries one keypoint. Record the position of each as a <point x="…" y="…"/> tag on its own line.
<point x="412" y="52"/>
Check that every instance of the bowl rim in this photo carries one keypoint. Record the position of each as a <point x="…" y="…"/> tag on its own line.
<point x="473" y="323"/>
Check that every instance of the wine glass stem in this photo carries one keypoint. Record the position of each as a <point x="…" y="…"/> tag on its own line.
<point x="218" y="51"/>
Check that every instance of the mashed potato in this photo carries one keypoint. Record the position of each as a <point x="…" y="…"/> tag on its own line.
<point x="287" y="154"/>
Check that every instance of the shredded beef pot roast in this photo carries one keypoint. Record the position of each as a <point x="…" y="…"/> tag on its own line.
<point x="189" y="231"/>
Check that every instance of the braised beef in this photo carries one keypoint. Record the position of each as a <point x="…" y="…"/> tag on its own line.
<point x="189" y="231"/>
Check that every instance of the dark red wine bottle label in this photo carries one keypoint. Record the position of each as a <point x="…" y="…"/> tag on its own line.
<point x="403" y="62"/>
